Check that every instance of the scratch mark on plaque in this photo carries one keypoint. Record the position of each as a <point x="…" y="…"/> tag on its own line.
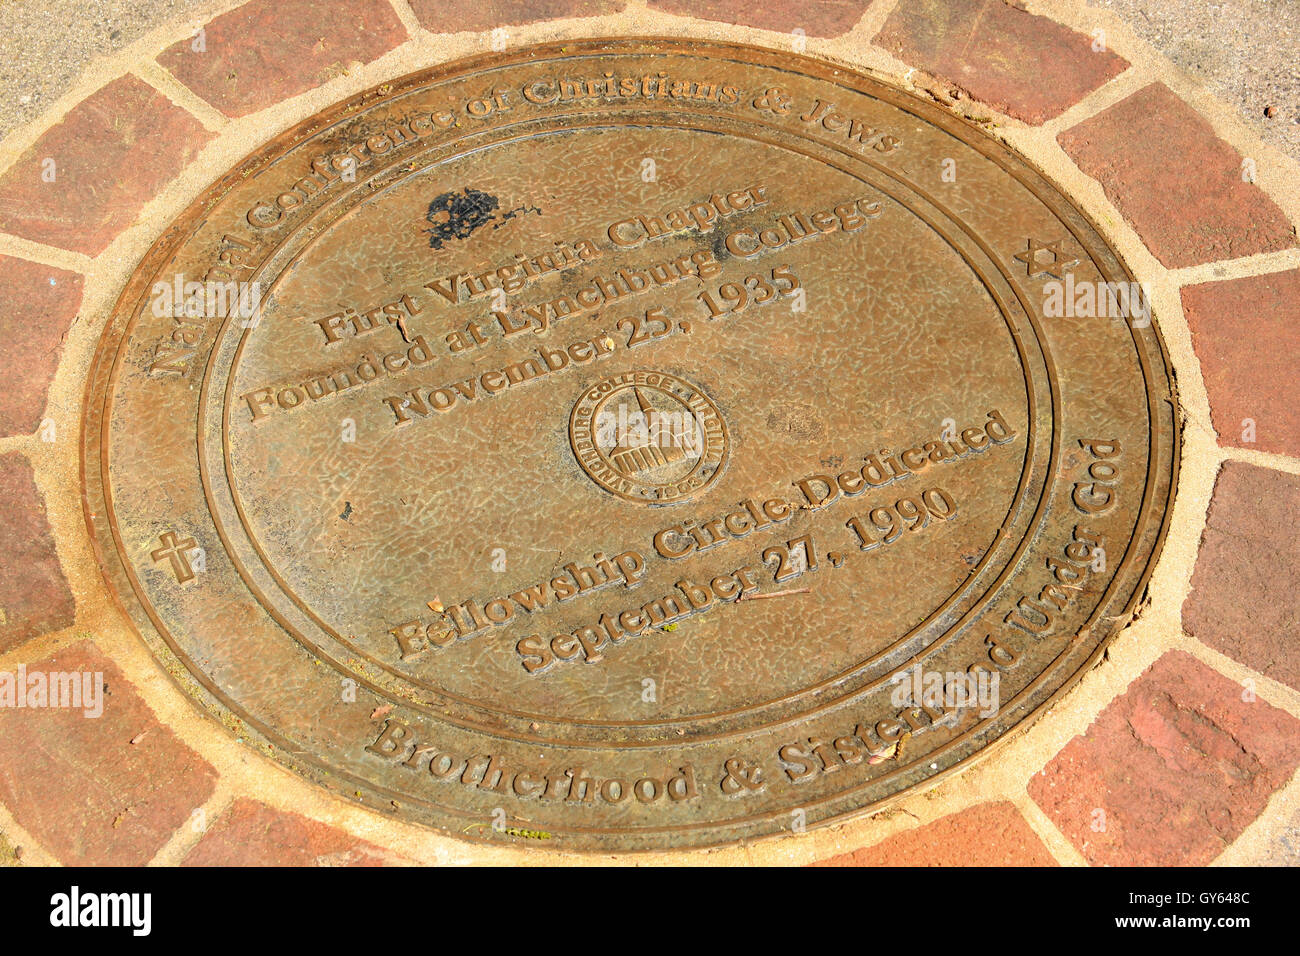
<point x="772" y="594"/>
<point x="880" y="756"/>
<point x="401" y="327"/>
<point x="510" y="831"/>
<point x="456" y="215"/>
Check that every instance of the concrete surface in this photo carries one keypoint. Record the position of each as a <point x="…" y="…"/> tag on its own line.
<point x="46" y="47"/>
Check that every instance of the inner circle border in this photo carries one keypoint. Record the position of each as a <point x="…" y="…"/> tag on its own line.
<point x="1010" y="310"/>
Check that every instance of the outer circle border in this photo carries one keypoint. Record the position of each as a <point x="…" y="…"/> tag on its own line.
<point x="1164" y="457"/>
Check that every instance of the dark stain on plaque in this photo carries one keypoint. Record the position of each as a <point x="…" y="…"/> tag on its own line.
<point x="521" y="210"/>
<point x="456" y="215"/>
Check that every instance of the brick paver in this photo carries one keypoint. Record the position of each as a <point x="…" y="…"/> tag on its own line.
<point x="81" y="786"/>
<point x="252" y="834"/>
<point x="1172" y="771"/>
<point x="816" y="18"/>
<point x="34" y="594"/>
<point x="37" y="305"/>
<point x="269" y="50"/>
<point x="457" y="16"/>
<point x="1021" y="64"/>
<point x="86" y="178"/>
<point x="1179" y="185"/>
<point x="1245" y="597"/>
<point x="990" y="834"/>
<point x="1246" y="333"/>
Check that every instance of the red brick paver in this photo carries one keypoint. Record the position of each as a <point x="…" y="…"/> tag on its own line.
<point x="1246" y="333"/>
<point x="990" y="834"/>
<point x="34" y="594"/>
<point x="817" y="18"/>
<point x="1172" y="771"/>
<point x="1245" y="598"/>
<point x="1178" y="184"/>
<point x="269" y="50"/>
<point x="1019" y="63"/>
<point x="37" y="305"/>
<point x="463" y="16"/>
<point x="253" y="834"/>
<point x="110" y="155"/>
<point x="80" y="786"/>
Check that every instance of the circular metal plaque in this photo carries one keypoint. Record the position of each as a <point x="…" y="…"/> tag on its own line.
<point x="629" y="445"/>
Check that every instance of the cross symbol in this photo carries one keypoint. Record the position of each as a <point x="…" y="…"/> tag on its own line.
<point x="1054" y="268"/>
<point x="177" y="552"/>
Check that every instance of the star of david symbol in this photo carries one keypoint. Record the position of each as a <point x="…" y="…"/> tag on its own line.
<point x="1055" y="267"/>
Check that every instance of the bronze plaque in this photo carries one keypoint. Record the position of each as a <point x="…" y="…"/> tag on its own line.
<point x="629" y="445"/>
